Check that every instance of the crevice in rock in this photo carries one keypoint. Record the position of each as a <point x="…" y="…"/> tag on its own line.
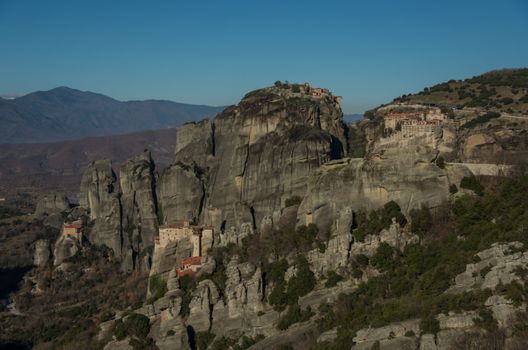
<point x="336" y="148"/>
<point x="191" y="334"/>
<point x="346" y="131"/>
<point x="213" y="138"/>
<point x="253" y="219"/>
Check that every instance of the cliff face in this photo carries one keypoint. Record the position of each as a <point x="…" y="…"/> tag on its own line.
<point x="124" y="214"/>
<point x="138" y="210"/>
<point x="100" y="194"/>
<point x="233" y="172"/>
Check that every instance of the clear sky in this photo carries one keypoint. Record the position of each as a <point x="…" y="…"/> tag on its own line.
<point x="213" y="52"/>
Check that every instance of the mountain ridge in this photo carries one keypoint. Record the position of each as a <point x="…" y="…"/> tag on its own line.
<point x="64" y="113"/>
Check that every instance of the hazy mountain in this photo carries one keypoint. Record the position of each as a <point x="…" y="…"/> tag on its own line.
<point x="39" y="168"/>
<point x="64" y="114"/>
<point x="351" y="118"/>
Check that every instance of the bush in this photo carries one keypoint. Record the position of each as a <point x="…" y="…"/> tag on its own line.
<point x="295" y="200"/>
<point x="278" y="298"/>
<point x="187" y="284"/>
<point x="485" y="320"/>
<point x="377" y="220"/>
<point x="134" y="325"/>
<point x="204" y="339"/>
<point x="294" y="315"/>
<point x="332" y="279"/>
<point x="453" y="189"/>
<point x="157" y="287"/>
<point x="440" y="162"/>
<point x="471" y="183"/>
<point x="296" y="88"/>
<point x="303" y="282"/>
<point x="383" y="259"/>
<point x="421" y="221"/>
<point x="429" y="325"/>
<point x="481" y="119"/>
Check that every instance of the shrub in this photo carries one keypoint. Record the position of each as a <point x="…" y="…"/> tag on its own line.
<point x="204" y="339"/>
<point x="303" y="282"/>
<point x="481" y="119"/>
<point x="157" y="287"/>
<point x="453" y="189"/>
<point x="421" y="221"/>
<point x="296" y="88"/>
<point x="383" y="259"/>
<point x="471" y="183"/>
<point x="295" y="200"/>
<point x="134" y="325"/>
<point x="187" y="284"/>
<point x="332" y="279"/>
<point x="440" y="162"/>
<point x="362" y="260"/>
<point x="294" y="315"/>
<point x="278" y="298"/>
<point x="377" y="220"/>
<point x="120" y="331"/>
<point x="410" y="333"/>
<point x="429" y="325"/>
<point x="485" y="320"/>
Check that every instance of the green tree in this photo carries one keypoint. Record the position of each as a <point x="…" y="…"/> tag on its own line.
<point x="471" y="183"/>
<point x="421" y="221"/>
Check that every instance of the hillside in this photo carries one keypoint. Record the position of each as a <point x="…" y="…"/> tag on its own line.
<point x="278" y="226"/>
<point x="501" y="90"/>
<point x="64" y="114"/>
<point x="40" y="168"/>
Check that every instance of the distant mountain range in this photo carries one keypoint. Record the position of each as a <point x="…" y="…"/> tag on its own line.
<point x="352" y="118"/>
<point x="65" y="114"/>
<point x="44" y="167"/>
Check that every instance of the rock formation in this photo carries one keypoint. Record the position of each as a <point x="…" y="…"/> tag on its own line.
<point x="233" y="172"/>
<point x="42" y="255"/>
<point x="100" y="194"/>
<point x="52" y="203"/>
<point x="64" y="248"/>
<point x="138" y="210"/>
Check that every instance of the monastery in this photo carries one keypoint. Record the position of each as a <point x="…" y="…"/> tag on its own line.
<point x="414" y="122"/>
<point x="201" y="238"/>
<point x="73" y="230"/>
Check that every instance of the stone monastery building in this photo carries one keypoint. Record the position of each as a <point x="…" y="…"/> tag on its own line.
<point x="201" y="238"/>
<point x="73" y="230"/>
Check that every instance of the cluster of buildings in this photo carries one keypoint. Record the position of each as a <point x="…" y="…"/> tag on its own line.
<point x="414" y="122"/>
<point x="315" y="92"/>
<point x="201" y="238"/>
<point x="73" y="230"/>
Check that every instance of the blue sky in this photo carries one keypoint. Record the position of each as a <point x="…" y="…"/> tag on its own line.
<point x="213" y="52"/>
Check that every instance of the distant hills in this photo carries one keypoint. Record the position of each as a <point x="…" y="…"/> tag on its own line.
<point x="41" y="168"/>
<point x="65" y="114"/>
<point x="352" y="118"/>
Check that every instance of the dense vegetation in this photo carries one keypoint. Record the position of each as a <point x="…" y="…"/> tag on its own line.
<point x="414" y="280"/>
<point x="502" y="90"/>
<point x="377" y="220"/>
<point x="73" y="301"/>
